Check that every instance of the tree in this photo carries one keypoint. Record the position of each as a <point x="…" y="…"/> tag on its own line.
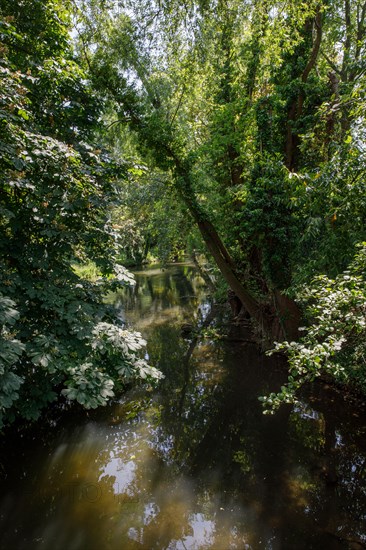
<point x="161" y="124"/>
<point x="251" y="109"/>
<point x="57" y="190"/>
<point x="334" y="341"/>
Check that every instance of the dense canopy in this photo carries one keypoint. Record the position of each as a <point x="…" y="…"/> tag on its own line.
<point x="131" y="129"/>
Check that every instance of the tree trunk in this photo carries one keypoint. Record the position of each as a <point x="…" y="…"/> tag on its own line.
<point x="282" y="322"/>
<point x="269" y="322"/>
<point x="295" y="110"/>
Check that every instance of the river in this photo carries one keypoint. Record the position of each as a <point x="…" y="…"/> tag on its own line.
<point x="192" y="464"/>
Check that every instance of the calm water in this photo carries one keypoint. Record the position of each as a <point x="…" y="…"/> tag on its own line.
<point x="193" y="464"/>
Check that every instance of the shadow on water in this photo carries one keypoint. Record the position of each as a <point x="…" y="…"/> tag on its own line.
<point x="193" y="464"/>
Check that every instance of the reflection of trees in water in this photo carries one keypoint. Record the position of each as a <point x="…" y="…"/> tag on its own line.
<point x="199" y="459"/>
<point x="60" y="505"/>
<point x="210" y="412"/>
<point x="165" y="289"/>
<point x="280" y="468"/>
<point x="341" y="468"/>
<point x="199" y="465"/>
<point x="289" y="473"/>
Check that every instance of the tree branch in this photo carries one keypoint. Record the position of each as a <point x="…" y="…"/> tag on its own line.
<point x="347" y="43"/>
<point x="331" y="64"/>
<point x="118" y="121"/>
<point x="360" y="31"/>
<point x="178" y="106"/>
<point x="316" y="46"/>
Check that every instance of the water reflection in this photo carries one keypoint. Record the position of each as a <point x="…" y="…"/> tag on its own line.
<point x="161" y="296"/>
<point x="194" y="464"/>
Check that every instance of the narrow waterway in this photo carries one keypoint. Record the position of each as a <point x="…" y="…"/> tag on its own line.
<point x="192" y="464"/>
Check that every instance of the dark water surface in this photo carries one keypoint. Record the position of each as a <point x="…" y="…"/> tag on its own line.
<point x="193" y="464"/>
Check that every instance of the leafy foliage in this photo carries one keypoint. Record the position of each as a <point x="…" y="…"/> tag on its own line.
<point x="149" y="222"/>
<point x="244" y="118"/>
<point x="57" y="192"/>
<point x="254" y="112"/>
<point x="334" y="342"/>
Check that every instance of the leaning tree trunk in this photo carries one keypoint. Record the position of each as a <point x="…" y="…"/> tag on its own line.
<point x="279" y="324"/>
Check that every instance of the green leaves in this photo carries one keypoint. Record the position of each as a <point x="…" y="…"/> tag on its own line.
<point x="108" y="337"/>
<point x="8" y="313"/>
<point x="88" y="386"/>
<point x="334" y="341"/>
<point x="57" y="193"/>
<point x="111" y="358"/>
<point x="11" y="350"/>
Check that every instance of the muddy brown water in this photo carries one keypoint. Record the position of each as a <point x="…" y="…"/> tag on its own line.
<point x="192" y="464"/>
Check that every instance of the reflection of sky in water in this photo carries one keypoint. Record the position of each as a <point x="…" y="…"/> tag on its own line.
<point x="124" y="474"/>
<point x="339" y="440"/>
<point x="203" y="531"/>
<point x="128" y="479"/>
<point x="151" y="510"/>
<point x="204" y="309"/>
<point x="304" y="411"/>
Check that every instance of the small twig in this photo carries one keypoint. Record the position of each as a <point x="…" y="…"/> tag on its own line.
<point x="178" y="106"/>
<point x="330" y="62"/>
<point x="118" y="121"/>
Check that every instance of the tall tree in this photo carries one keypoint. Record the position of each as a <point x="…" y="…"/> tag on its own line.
<point x="235" y="101"/>
<point x="56" y="193"/>
<point x="194" y="105"/>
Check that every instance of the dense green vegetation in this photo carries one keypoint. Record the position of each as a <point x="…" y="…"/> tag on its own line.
<point x="57" y="189"/>
<point x="132" y="128"/>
